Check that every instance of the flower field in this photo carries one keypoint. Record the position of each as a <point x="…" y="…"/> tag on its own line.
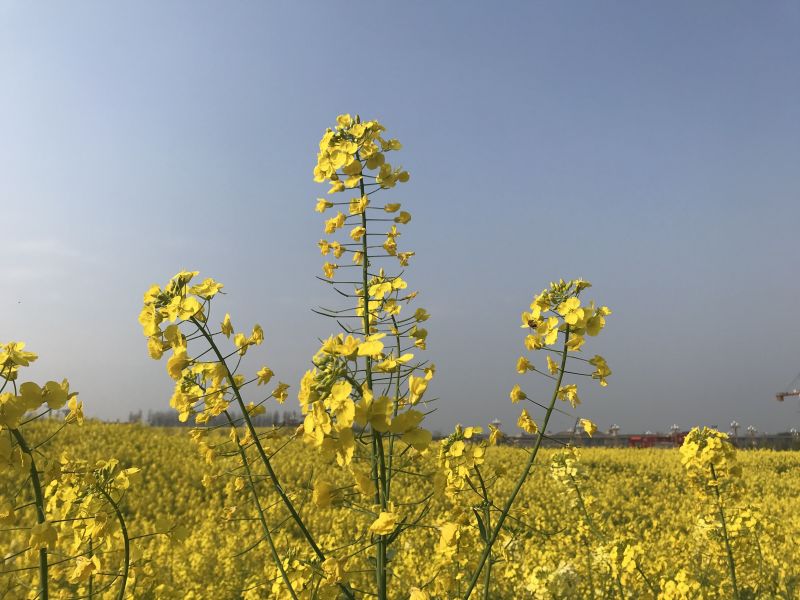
<point x="359" y="501"/>
<point x="639" y="502"/>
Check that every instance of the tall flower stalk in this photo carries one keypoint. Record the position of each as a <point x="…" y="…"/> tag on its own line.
<point x="208" y="387"/>
<point x="363" y="393"/>
<point x="556" y="318"/>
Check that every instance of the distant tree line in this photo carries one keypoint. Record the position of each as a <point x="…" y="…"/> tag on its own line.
<point x="169" y="418"/>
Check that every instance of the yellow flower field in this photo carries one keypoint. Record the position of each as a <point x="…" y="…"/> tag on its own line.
<point x="642" y="515"/>
<point x="359" y="501"/>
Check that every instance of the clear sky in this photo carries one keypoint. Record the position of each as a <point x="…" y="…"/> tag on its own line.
<point x="652" y="148"/>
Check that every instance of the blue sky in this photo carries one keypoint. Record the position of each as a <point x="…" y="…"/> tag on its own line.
<point x="650" y="148"/>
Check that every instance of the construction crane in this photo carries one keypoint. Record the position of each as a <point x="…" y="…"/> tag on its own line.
<point x="793" y="389"/>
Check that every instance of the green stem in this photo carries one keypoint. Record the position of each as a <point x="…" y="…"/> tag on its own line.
<point x="585" y="513"/>
<point x="619" y="587"/>
<point x="262" y="454"/>
<point x="487" y="577"/>
<point x="601" y="536"/>
<point x="91" y="577"/>
<point x="257" y="442"/>
<point x="382" y="472"/>
<point x="5" y="377"/>
<point x="760" y="556"/>
<point x="125" y="540"/>
<point x="728" y="549"/>
<point x="645" y="577"/>
<point x="374" y="464"/>
<point x="487" y="516"/>
<point x="394" y="413"/>
<point x="526" y="470"/>
<point x="378" y="459"/>
<point x="260" y="510"/>
<point x="40" y="515"/>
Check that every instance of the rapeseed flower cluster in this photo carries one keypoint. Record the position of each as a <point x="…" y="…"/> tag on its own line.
<point x="363" y="400"/>
<point x="66" y="511"/>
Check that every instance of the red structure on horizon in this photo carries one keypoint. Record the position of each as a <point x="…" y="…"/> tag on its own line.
<point x="657" y="440"/>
